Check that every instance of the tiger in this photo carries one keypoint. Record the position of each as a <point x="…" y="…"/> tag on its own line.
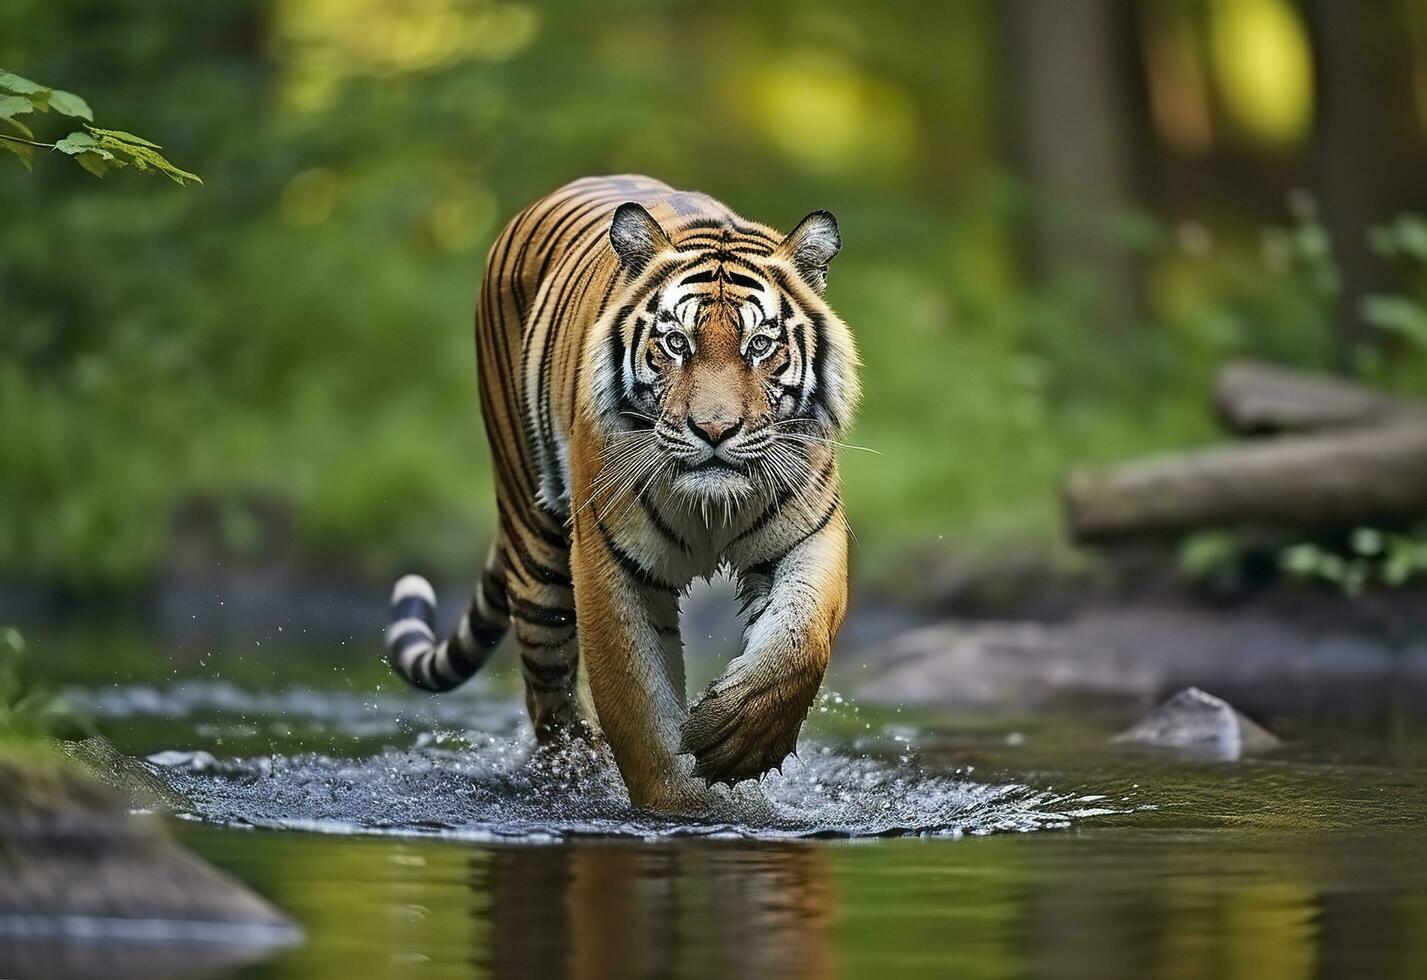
<point x="663" y="389"/>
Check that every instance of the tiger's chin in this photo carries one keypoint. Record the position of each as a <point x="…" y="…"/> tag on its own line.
<point x="712" y="483"/>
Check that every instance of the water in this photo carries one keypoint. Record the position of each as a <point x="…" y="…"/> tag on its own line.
<point x="412" y="836"/>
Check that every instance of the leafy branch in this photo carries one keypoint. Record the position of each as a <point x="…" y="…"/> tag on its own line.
<point x="96" y="150"/>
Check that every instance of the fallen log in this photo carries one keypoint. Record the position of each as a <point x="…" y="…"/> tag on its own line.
<point x="1255" y="398"/>
<point x="1331" y="480"/>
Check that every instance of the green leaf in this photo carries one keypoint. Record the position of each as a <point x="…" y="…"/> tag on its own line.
<point x="88" y="153"/>
<point x="1397" y="314"/>
<point x="14" y="105"/>
<point x="94" y="163"/>
<point x="26" y="154"/>
<point x="1300" y="559"/>
<point x="123" y="137"/>
<point x="1398" y="569"/>
<point x="36" y="95"/>
<point x="77" y="143"/>
<point x="18" y="127"/>
<point x="143" y="156"/>
<point x="1411" y="234"/>
<point x="10" y="82"/>
<point x="70" y="104"/>
<point x="1368" y="541"/>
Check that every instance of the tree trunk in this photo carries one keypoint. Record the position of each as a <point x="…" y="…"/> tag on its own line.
<point x="1368" y="148"/>
<point x="1337" y="480"/>
<point x="1068" y="68"/>
<point x="1254" y="398"/>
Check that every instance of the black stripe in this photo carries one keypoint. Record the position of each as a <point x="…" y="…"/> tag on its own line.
<point x="657" y="521"/>
<point x="537" y="614"/>
<point x="632" y="566"/>
<point x="549" y="673"/>
<point x="541" y="573"/>
<point x="775" y="508"/>
<point x="493" y="591"/>
<point x="414" y="607"/>
<point x="464" y="666"/>
<point x="424" y="673"/>
<point x="530" y="644"/>
<point x="770" y="566"/>
<point x="405" y="641"/>
<point x="575" y="285"/>
<point x="512" y="568"/>
<point x="486" y="634"/>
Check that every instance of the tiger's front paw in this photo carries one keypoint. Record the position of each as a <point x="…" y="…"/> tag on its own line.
<point x="740" y="729"/>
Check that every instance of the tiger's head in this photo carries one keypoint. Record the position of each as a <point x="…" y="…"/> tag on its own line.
<point x="725" y="369"/>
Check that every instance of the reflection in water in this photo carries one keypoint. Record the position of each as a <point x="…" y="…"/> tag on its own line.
<point x="618" y="909"/>
<point x="1110" y="902"/>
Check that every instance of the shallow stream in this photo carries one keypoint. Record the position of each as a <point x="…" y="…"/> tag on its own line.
<point x="412" y="836"/>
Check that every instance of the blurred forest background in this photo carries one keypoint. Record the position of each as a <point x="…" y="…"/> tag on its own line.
<point x="1060" y="218"/>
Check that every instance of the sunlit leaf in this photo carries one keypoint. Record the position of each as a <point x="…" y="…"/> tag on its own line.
<point x="76" y="143"/>
<point x="10" y="82"/>
<point x="122" y="137"/>
<point x="70" y="105"/>
<point x="14" y="105"/>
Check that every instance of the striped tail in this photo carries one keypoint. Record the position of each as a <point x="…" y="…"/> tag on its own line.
<point x="411" y="637"/>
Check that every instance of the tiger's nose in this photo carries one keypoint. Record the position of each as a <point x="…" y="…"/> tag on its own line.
<point x="714" y="431"/>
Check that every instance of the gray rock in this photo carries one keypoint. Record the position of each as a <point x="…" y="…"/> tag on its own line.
<point x="1125" y="655"/>
<point x="1200" y="724"/>
<point x="1000" y="665"/>
<point x="79" y="872"/>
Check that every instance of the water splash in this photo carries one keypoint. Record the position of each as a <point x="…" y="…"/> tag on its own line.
<point x="500" y="791"/>
<point x="490" y="784"/>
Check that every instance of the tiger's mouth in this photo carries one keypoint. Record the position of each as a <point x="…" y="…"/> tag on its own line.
<point x="714" y="462"/>
<point x="713" y="478"/>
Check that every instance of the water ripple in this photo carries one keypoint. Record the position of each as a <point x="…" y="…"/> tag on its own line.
<point x="489" y="784"/>
<point x="498" y="790"/>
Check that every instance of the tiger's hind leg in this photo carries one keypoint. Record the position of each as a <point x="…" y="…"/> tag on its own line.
<point x="536" y="557"/>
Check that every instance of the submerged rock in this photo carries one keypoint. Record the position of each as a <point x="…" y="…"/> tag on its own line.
<point x="77" y="869"/>
<point x="1201" y="724"/>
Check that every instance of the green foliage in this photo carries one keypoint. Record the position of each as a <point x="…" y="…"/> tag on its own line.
<point x="1401" y="316"/>
<point x="96" y="150"/>
<point x="26" y="711"/>
<point x="1369" y="556"/>
<point x="300" y="332"/>
<point x="1213" y="560"/>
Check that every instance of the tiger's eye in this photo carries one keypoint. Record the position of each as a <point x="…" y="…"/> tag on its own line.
<point x="760" y="345"/>
<point x="677" y="343"/>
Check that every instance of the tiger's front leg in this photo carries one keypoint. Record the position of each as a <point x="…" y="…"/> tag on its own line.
<point x="747" y="721"/>
<point x="629" y="633"/>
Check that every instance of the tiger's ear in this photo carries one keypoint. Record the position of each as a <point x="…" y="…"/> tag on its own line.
<point x="811" y="246"/>
<point x="636" y="236"/>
